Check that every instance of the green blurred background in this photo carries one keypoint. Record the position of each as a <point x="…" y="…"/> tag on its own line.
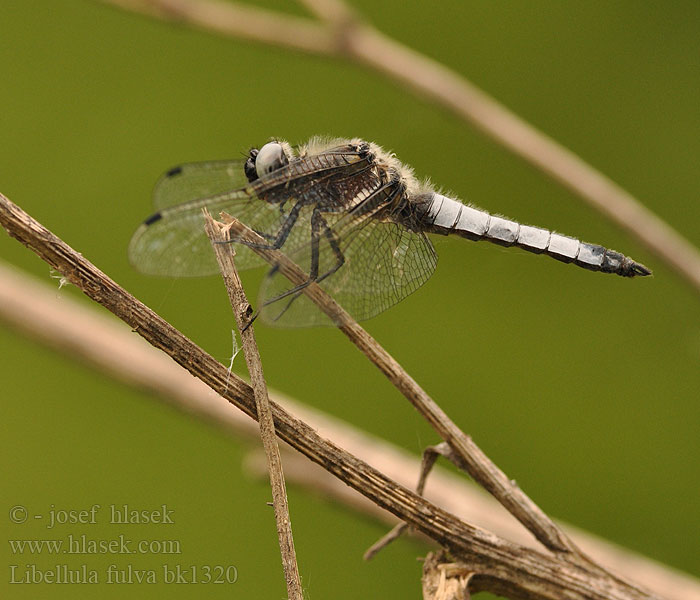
<point x="581" y="386"/>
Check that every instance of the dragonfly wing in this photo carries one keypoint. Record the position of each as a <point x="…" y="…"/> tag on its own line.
<point x="198" y="180"/>
<point x="383" y="262"/>
<point x="172" y="242"/>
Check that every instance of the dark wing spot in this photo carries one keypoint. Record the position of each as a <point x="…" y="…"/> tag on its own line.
<point x="174" y="171"/>
<point x="153" y="218"/>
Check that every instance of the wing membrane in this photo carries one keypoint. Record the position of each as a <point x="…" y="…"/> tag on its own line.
<point x="173" y="243"/>
<point x="383" y="263"/>
<point x="198" y="180"/>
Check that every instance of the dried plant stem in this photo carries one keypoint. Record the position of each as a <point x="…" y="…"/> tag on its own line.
<point x="242" y="312"/>
<point x="342" y="34"/>
<point x="503" y="567"/>
<point x="466" y="453"/>
<point x="82" y="332"/>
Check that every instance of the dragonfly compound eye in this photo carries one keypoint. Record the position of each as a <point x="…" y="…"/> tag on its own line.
<point x="249" y="166"/>
<point x="270" y="158"/>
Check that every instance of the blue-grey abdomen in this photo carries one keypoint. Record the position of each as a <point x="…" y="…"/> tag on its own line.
<point x="446" y="216"/>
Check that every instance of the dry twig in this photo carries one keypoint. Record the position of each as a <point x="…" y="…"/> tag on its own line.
<point x="503" y="567"/>
<point x="342" y="34"/>
<point x="242" y="312"/>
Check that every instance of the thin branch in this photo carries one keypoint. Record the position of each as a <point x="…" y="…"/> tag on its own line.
<point x="469" y="455"/>
<point x="78" y="330"/>
<point x="507" y="568"/>
<point x="334" y="12"/>
<point x="239" y="21"/>
<point x="242" y="312"/>
<point x="342" y="35"/>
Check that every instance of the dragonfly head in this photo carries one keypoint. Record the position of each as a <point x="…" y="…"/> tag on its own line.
<point x="269" y="158"/>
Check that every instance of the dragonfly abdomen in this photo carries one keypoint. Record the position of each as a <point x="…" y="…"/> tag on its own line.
<point x="446" y="216"/>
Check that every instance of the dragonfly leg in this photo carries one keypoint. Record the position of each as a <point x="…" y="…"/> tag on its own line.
<point x="318" y="226"/>
<point x="250" y="321"/>
<point x="282" y="234"/>
<point x="268" y="236"/>
<point x="333" y="243"/>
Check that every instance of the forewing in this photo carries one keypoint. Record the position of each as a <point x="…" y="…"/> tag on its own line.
<point x="189" y="181"/>
<point x="173" y="243"/>
<point x="383" y="263"/>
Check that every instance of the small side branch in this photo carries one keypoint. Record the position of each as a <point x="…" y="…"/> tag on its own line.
<point x="242" y="312"/>
<point x="430" y="456"/>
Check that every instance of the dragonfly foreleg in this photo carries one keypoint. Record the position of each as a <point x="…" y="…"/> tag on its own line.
<point x="278" y="239"/>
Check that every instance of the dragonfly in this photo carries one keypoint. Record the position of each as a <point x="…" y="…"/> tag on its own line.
<point x="349" y="213"/>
